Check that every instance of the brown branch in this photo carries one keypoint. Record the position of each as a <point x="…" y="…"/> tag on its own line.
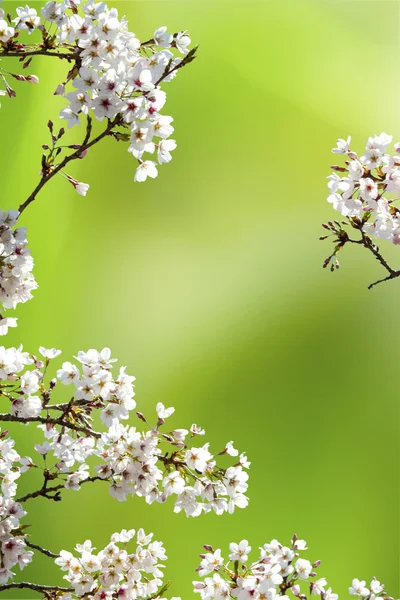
<point x="50" y="421"/>
<point x="45" y="491"/>
<point x="369" y="245"/>
<point x="40" y="549"/>
<point x="190" y="56"/>
<point x="46" y="177"/>
<point x="16" y="54"/>
<point x="343" y="238"/>
<point x="66" y="406"/>
<point x="393" y="275"/>
<point x="42" y="589"/>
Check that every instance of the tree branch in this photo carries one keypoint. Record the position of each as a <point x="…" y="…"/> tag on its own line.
<point x="46" y="177"/>
<point x="40" y="549"/>
<point x="50" y="421"/>
<point x="16" y="54"/>
<point x="45" y="491"/>
<point x="368" y="243"/>
<point x="42" y="589"/>
<point x="343" y="238"/>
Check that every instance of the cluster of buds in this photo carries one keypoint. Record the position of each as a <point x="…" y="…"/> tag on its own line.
<point x="279" y="569"/>
<point x="111" y="75"/>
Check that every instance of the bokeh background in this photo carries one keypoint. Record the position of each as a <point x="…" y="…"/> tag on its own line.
<point x="207" y="282"/>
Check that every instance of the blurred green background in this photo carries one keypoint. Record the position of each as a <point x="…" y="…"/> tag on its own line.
<point x="207" y="282"/>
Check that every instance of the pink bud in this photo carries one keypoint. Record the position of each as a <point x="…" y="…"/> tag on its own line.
<point x="60" y="90"/>
<point x="316" y="564"/>
<point x="32" y="79"/>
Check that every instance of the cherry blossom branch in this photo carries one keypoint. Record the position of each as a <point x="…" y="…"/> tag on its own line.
<point x="49" y="421"/>
<point x="185" y="61"/>
<point x="15" y="54"/>
<point x="44" y="491"/>
<point x="278" y="569"/>
<point x="342" y="238"/>
<point x="41" y="589"/>
<point x="365" y="191"/>
<point x="40" y="549"/>
<point x="49" y="171"/>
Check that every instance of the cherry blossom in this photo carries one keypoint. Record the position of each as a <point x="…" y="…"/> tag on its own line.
<point x="16" y="264"/>
<point x="365" y="191"/>
<point x="111" y="76"/>
<point x="143" y="460"/>
<point x="114" y="571"/>
<point x="278" y="570"/>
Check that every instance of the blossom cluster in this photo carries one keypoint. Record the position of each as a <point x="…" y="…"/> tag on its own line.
<point x="366" y="188"/>
<point x="277" y="570"/>
<point x="13" y="546"/>
<point x="114" y="572"/>
<point x="16" y="278"/>
<point x="151" y="463"/>
<point x="115" y="76"/>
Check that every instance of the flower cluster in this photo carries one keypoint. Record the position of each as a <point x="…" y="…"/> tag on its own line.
<point x="375" y="590"/>
<point x="366" y="188"/>
<point x="114" y="572"/>
<point x="152" y="463"/>
<point x="278" y="569"/>
<point x="114" y="77"/>
<point x="12" y="543"/>
<point x="16" y="278"/>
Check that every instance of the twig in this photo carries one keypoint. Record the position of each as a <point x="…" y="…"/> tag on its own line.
<point x="46" y="177"/>
<point x="367" y="243"/>
<point x="50" y="421"/>
<point x="343" y="238"/>
<point x="15" y="54"/>
<point x="42" y="550"/>
<point x="45" y="491"/>
<point x="42" y="589"/>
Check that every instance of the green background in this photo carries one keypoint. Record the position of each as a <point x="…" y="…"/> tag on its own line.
<point x="207" y="282"/>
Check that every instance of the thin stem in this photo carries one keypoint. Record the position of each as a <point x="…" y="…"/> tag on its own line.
<point x="40" y="549"/>
<point x="41" y="589"/>
<point x="46" y="177"/>
<point x="15" y="54"/>
<point x="367" y="243"/>
<point x="375" y="251"/>
<point x="45" y="491"/>
<point x="393" y="275"/>
<point x="50" y="421"/>
<point x="343" y="238"/>
<point x="185" y="61"/>
<point x="68" y="405"/>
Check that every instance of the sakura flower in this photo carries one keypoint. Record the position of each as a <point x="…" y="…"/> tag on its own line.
<point x="239" y="551"/>
<point x="358" y="588"/>
<point x="162" y="38"/>
<point x="182" y="41"/>
<point x="342" y="146"/>
<point x="146" y="169"/>
<point x="162" y="412"/>
<point x="49" y="353"/>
